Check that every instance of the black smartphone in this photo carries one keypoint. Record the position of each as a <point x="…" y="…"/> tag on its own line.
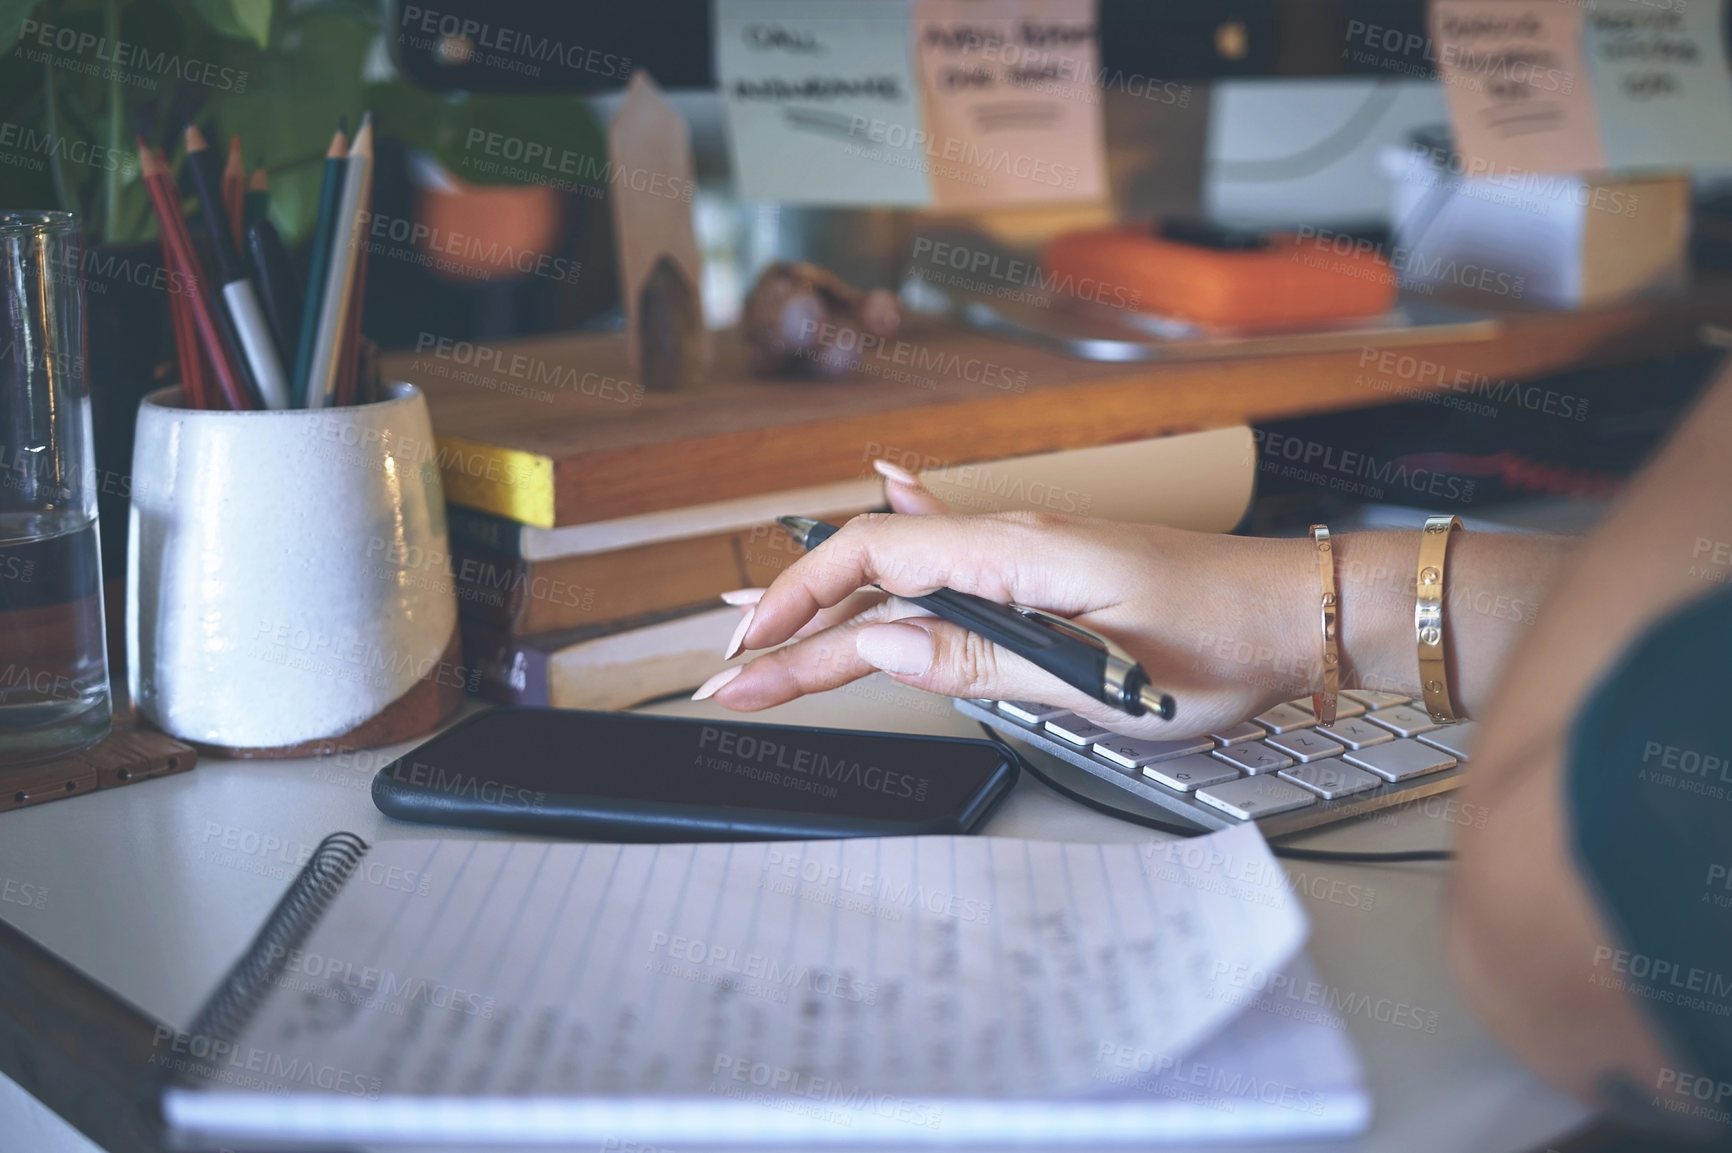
<point x="630" y="777"/>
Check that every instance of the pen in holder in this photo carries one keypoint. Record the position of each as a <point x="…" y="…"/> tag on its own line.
<point x="288" y="590"/>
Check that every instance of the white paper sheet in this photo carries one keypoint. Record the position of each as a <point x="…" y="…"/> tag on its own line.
<point x="912" y="988"/>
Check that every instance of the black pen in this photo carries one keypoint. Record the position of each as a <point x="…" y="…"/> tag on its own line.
<point x="1080" y="657"/>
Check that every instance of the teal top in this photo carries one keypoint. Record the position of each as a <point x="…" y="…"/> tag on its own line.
<point x="1650" y="801"/>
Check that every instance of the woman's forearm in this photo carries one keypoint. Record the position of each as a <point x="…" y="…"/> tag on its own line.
<point x="1494" y="583"/>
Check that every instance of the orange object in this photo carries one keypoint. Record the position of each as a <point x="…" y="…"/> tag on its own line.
<point x="1292" y="283"/>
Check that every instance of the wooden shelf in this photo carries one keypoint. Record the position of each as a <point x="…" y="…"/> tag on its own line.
<point x="566" y="403"/>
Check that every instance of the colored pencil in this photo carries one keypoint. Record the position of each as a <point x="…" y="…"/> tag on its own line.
<point x="166" y="201"/>
<point x="330" y="191"/>
<point x="348" y="370"/>
<point x="234" y="189"/>
<point x="258" y="199"/>
<point x="185" y="339"/>
<point x="277" y="284"/>
<point x="340" y="277"/>
<point x="238" y="295"/>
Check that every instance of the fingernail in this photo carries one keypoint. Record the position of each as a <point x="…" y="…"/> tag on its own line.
<point x="737" y="644"/>
<point x="895" y="648"/>
<point x="744" y="596"/>
<point x="896" y="473"/>
<point x="714" y="685"/>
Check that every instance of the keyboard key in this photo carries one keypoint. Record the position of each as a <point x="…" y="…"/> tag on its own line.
<point x="1358" y="733"/>
<point x="1402" y="720"/>
<point x="1305" y="745"/>
<point x="1374" y="700"/>
<point x="1253" y="797"/>
<point x="1132" y="753"/>
<point x="1072" y="729"/>
<point x="1189" y="773"/>
<point x="1399" y="760"/>
<point x="1331" y="778"/>
<point x="1285" y="718"/>
<point x="1454" y="739"/>
<point x="1240" y="733"/>
<point x="1254" y="758"/>
<point x="1030" y="713"/>
<point x="1345" y="706"/>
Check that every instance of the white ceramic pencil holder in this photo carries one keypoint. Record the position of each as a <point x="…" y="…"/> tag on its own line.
<point x="287" y="583"/>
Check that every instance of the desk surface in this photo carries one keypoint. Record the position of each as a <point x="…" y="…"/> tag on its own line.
<point x="152" y="891"/>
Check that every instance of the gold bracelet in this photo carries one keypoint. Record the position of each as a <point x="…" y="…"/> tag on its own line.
<point x="1428" y="616"/>
<point x="1323" y="703"/>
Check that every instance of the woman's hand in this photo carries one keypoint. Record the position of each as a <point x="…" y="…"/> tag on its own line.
<point x="1220" y="622"/>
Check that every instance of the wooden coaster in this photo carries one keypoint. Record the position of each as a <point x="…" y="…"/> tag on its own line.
<point x="129" y="754"/>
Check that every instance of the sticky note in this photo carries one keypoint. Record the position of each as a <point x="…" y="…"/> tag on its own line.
<point x="1544" y="86"/>
<point x="822" y="101"/>
<point x="1013" y="101"/>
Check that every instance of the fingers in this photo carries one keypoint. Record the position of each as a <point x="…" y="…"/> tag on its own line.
<point x="1006" y="557"/>
<point x="920" y="651"/>
<point x="906" y="493"/>
<point x="826" y="660"/>
<point x="935" y="655"/>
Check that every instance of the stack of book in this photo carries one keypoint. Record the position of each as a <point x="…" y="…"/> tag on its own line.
<point x="612" y="613"/>
<point x="593" y="526"/>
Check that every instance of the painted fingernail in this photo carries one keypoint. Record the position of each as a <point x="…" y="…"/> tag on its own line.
<point x="744" y="596"/>
<point x="714" y="685"/>
<point x="896" y="473"/>
<point x="737" y="644"/>
<point x="895" y="648"/>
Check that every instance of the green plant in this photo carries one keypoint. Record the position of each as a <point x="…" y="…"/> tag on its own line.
<point x="82" y="77"/>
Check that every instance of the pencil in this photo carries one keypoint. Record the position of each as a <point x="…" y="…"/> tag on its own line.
<point x="330" y="191"/>
<point x="277" y="284"/>
<point x="234" y="189"/>
<point x="240" y="299"/>
<point x="340" y="277"/>
<point x="349" y="367"/>
<point x="257" y="202"/>
<point x="166" y="201"/>
<point x="185" y="339"/>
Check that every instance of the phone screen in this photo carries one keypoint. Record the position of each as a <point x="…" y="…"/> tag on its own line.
<point x="643" y="777"/>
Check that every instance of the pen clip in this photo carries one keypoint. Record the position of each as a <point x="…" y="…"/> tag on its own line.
<point x="1072" y="629"/>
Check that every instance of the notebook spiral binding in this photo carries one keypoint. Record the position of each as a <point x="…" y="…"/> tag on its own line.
<point x="238" y="994"/>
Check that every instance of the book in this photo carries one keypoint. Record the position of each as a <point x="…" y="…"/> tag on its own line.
<point x="476" y="529"/>
<point x="603" y="666"/>
<point x="889" y="992"/>
<point x="527" y="597"/>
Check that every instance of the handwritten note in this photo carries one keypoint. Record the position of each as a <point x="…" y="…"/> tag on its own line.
<point x="822" y="100"/>
<point x="1545" y="86"/>
<point x="1013" y="101"/>
<point x="869" y="979"/>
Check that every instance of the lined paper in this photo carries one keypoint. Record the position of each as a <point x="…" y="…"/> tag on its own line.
<point x="827" y="983"/>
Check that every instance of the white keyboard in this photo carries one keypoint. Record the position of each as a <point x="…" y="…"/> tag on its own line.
<point x="1281" y="769"/>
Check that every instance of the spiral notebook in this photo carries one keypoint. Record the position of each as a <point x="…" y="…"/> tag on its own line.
<point x="891" y="992"/>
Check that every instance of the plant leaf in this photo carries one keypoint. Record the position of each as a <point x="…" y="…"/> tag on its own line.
<point x="13" y="13"/>
<point x="238" y="19"/>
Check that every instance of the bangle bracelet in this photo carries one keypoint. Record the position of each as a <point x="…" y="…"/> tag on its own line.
<point x="1323" y="703"/>
<point x="1428" y="616"/>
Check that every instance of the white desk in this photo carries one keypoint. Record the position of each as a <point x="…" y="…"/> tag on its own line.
<point x="143" y="896"/>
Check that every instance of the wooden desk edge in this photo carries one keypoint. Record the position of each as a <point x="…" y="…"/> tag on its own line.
<point x="79" y="1049"/>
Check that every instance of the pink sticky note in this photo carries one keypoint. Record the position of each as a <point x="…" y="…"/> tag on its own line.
<point x="1517" y="80"/>
<point x="1012" y="93"/>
